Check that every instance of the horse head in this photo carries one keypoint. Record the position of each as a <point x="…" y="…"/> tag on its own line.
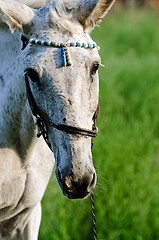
<point x="60" y="64"/>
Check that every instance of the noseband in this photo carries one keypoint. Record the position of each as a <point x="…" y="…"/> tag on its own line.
<point x="42" y="119"/>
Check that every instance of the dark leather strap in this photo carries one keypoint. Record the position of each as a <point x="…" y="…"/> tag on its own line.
<point x="43" y="119"/>
<point x="75" y="130"/>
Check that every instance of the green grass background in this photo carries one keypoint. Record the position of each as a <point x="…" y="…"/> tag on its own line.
<point x="126" y="151"/>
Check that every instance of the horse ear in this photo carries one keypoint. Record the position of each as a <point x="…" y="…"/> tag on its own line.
<point x="91" y="12"/>
<point x="16" y="15"/>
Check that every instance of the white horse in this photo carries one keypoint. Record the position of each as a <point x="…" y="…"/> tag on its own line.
<point x="53" y="81"/>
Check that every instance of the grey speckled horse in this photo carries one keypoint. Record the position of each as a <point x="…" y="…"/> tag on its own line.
<point x="55" y="70"/>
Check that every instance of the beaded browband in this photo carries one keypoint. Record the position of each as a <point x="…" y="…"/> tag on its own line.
<point x="66" y="59"/>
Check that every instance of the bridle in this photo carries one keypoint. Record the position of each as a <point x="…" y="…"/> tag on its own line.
<point x="42" y="118"/>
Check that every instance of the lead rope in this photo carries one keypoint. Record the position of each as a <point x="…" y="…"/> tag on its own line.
<point x="93" y="216"/>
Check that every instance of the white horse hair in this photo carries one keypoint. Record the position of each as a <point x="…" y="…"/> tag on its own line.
<point x="68" y="95"/>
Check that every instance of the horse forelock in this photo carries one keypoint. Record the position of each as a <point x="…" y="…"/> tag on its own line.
<point x="60" y="14"/>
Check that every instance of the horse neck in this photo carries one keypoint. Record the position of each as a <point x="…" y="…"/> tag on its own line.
<point x="9" y="48"/>
<point x="16" y="124"/>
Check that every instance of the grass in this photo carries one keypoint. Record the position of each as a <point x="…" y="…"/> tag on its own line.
<point x="126" y="151"/>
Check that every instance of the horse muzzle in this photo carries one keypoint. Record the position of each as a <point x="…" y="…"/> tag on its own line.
<point x="76" y="186"/>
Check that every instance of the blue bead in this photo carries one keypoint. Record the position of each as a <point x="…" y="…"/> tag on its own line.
<point x="64" y="60"/>
<point x="64" y="63"/>
<point x="33" y="41"/>
<point x="52" y="43"/>
<point x="61" y="45"/>
<point x="89" y="45"/>
<point x="39" y="42"/>
<point x="83" y="45"/>
<point x="77" y="44"/>
<point x="94" y="45"/>
<point x="71" y="44"/>
<point x="62" y="50"/>
<point x="46" y="42"/>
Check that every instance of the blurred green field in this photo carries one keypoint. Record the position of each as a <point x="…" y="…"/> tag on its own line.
<point x="126" y="151"/>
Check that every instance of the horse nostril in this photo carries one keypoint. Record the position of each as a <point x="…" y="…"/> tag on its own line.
<point x="93" y="182"/>
<point x="66" y="181"/>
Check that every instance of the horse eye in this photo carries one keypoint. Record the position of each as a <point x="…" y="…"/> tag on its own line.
<point x="32" y="74"/>
<point x="25" y="41"/>
<point x="94" y="69"/>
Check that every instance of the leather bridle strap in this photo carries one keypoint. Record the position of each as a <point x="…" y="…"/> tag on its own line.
<point x="43" y="119"/>
<point x="75" y="130"/>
